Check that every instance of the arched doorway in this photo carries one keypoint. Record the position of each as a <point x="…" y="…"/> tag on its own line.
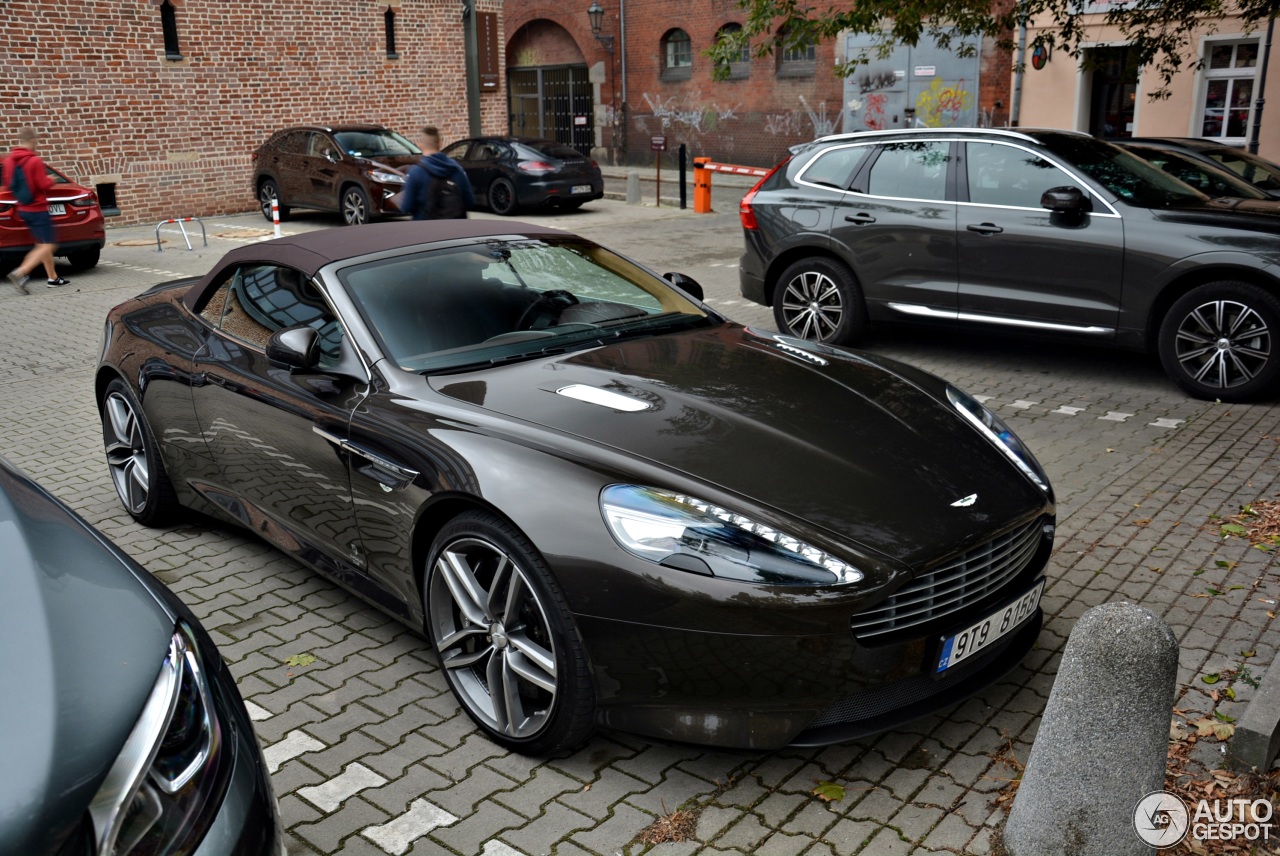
<point x="549" y="90"/>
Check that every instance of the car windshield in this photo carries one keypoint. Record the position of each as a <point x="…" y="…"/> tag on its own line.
<point x="555" y="150"/>
<point x="375" y="144"/>
<point x="1201" y="176"/>
<point x="506" y="300"/>
<point x="1123" y="173"/>
<point x="1260" y="173"/>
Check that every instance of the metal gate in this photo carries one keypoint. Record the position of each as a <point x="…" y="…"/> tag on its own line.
<point x="553" y="102"/>
<point x="925" y="86"/>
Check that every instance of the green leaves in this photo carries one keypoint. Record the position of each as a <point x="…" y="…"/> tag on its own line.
<point x="1211" y="679"/>
<point x="300" y="660"/>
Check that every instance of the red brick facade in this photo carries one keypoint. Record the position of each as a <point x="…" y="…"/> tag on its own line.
<point x="750" y="119"/>
<point x="176" y="136"/>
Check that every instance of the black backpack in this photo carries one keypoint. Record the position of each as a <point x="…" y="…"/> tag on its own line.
<point x="447" y="200"/>
<point x="18" y="185"/>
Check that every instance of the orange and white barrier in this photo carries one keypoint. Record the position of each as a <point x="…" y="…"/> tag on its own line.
<point x="702" y="169"/>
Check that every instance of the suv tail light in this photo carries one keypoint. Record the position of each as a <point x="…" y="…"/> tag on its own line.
<point x="745" y="212"/>
<point x="536" y="167"/>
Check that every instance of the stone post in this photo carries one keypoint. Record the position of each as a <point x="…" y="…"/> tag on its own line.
<point x="1103" y="741"/>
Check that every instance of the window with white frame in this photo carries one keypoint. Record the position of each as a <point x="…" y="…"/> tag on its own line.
<point x="1230" y="73"/>
<point x="679" y="49"/>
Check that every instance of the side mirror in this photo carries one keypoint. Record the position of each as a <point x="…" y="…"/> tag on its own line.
<point x="1066" y="200"/>
<point x="687" y="284"/>
<point x="294" y="348"/>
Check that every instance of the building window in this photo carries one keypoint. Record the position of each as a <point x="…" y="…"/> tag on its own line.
<point x="389" y="24"/>
<point x="795" y="59"/>
<point x="169" y="23"/>
<point x="740" y="65"/>
<point x="1230" y="73"/>
<point x="677" y="52"/>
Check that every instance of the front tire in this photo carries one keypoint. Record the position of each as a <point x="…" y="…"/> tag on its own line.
<point x="819" y="300"/>
<point x="354" y="206"/>
<point x="505" y="637"/>
<point x="502" y="197"/>
<point x="133" y="458"/>
<point x="1222" y="341"/>
<point x="269" y="192"/>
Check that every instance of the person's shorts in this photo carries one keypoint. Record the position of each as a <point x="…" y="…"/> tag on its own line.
<point x="40" y="224"/>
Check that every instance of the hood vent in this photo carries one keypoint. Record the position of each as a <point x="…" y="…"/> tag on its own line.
<point x="807" y="356"/>
<point x="603" y="397"/>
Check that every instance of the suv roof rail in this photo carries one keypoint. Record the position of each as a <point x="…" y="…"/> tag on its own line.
<point x="855" y="135"/>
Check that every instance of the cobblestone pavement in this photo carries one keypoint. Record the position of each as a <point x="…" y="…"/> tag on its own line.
<point x="369" y="752"/>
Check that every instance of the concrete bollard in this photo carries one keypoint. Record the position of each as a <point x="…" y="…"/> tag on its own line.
<point x="1104" y="739"/>
<point x="633" y="187"/>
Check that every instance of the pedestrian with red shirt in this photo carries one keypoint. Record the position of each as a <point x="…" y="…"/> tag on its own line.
<point x="31" y="192"/>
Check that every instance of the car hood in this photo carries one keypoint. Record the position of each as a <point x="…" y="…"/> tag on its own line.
<point x="73" y="683"/>
<point x="834" y="440"/>
<point x="395" y="163"/>
<point x="1250" y="215"/>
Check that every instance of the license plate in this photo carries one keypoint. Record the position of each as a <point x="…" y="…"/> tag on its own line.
<point x="580" y="188"/>
<point x="57" y="209"/>
<point x="1003" y="621"/>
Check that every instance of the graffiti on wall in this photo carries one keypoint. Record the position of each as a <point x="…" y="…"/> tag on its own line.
<point x="943" y="105"/>
<point x="687" y="113"/>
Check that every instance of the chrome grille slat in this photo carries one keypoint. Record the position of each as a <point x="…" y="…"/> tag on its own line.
<point x="950" y="587"/>
<point x="1013" y="560"/>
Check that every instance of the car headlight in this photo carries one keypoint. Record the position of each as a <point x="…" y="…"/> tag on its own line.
<point x="993" y="428"/>
<point x="385" y="177"/>
<point x="153" y="792"/>
<point x="685" y="533"/>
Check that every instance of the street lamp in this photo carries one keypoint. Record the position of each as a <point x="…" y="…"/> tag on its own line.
<point x="596" y="15"/>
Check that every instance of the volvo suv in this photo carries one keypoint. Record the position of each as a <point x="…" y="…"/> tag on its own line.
<point x="1052" y="232"/>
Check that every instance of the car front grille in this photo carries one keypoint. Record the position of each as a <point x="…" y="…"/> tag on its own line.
<point x="965" y="580"/>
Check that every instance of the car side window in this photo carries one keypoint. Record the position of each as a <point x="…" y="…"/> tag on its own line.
<point x="914" y="170"/>
<point x="1011" y="176"/>
<point x="257" y="300"/>
<point x="293" y="143"/>
<point x="457" y="151"/>
<point x="318" y="145"/>
<point x="485" y="152"/>
<point x="835" y="167"/>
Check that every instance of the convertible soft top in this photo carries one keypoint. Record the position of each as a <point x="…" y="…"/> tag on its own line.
<point x="310" y="251"/>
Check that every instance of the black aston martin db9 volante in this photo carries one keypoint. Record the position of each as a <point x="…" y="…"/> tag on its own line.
<point x="602" y="502"/>
<point x="121" y="729"/>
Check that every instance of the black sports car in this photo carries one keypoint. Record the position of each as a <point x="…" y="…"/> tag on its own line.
<point x="510" y="173"/>
<point x="121" y="730"/>
<point x="601" y="501"/>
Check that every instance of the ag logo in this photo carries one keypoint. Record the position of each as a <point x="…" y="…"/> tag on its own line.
<point x="966" y="501"/>
<point x="1161" y="819"/>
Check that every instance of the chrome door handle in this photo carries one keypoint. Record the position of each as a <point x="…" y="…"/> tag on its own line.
<point x="861" y="219"/>
<point x="985" y="228"/>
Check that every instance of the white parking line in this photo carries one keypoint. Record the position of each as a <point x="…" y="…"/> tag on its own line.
<point x="1023" y="404"/>
<point x="497" y="848"/>
<point x="1069" y="411"/>
<point x="396" y="836"/>
<point x="327" y="796"/>
<point x="294" y="744"/>
<point x="1163" y="422"/>
<point x="256" y="713"/>
<point x="1115" y="416"/>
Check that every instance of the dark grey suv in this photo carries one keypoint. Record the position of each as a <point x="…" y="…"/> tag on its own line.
<point x="1052" y="232"/>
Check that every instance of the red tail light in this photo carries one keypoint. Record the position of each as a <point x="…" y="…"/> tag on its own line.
<point x="536" y="166"/>
<point x="745" y="212"/>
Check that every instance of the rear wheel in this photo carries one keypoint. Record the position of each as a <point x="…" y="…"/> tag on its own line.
<point x="502" y="197"/>
<point x="354" y="206"/>
<point x="134" y="459"/>
<point x="1222" y="341"/>
<point x="268" y="192"/>
<point x="84" y="259"/>
<point x="505" y="637"/>
<point x="819" y="300"/>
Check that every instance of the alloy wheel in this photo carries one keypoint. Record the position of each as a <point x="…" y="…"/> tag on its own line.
<point x="494" y="638"/>
<point x="355" y="208"/>
<point x="1223" y="343"/>
<point x="812" y="306"/>
<point x="126" y="452"/>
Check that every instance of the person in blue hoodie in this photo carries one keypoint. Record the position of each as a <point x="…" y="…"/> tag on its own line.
<point x="436" y="188"/>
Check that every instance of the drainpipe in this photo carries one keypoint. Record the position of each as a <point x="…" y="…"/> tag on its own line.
<point x="1262" y="89"/>
<point x="620" y="128"/>
<point x="1015" y="107"/>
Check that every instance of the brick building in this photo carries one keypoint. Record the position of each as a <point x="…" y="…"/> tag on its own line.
<point x="658" y="81"/>
<point x="161" y="103"/>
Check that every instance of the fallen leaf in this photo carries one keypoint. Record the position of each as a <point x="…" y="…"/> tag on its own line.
<point x="1233" y="529"/>
<point x="1211" y="679"/>
<point x="1247" y="654"/>
<point x="1223" y="563"/>
<point x="1198" y="573"/>
<point x="829" y="792"/>
<point x="300" y="660"/>
<point x="1222" y="717"/>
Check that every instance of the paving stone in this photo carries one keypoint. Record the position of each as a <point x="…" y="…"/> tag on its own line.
<point x="850" y="836"/>
<point x="488" y="822"/>
<point x="398" y="834"/>
<point x="623" y="825"/>
<point x="556" y="823"/>
<point x="328" y="833"/>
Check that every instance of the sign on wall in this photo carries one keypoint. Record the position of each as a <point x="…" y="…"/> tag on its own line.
<point x="487" y="44"/>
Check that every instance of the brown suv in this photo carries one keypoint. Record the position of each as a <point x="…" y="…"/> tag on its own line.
<point x="352" y="169"/>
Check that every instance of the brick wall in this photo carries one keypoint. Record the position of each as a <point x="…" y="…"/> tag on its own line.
<point x="176" y="136"/>
<point x="751" y="119"/>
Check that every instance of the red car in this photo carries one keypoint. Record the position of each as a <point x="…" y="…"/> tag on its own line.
<point x="77" y="222"/>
